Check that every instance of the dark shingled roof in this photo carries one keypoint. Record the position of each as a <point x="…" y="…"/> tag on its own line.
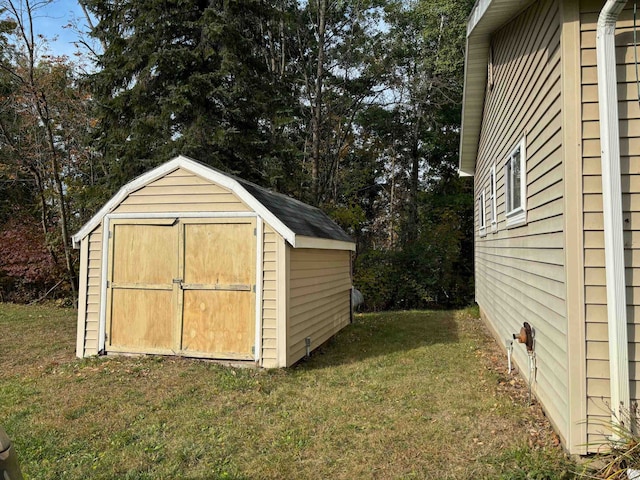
<point x="300" y="218"/>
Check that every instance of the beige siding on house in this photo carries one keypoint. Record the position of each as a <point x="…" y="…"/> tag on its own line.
<point x="269" y="298"/>
<point x="319" y="299"/>
<point x="598" y="394"/>
<point x="181" y="191"/>
<point x="94" y="275"/>
<point x="520" y="271"/>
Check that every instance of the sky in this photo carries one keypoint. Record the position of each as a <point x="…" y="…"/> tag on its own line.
<point x="52" y="21"/>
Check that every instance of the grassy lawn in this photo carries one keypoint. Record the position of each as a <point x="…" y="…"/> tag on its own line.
<point x="395" y="395"/>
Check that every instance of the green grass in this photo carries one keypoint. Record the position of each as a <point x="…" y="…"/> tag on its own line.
<point x="395" y="395"/>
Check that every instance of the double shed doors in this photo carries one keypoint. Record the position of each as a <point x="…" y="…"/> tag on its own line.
<point x="182" y="287"/>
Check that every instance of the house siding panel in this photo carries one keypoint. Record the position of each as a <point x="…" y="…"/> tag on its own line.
<point x="598" y="393"/>
<point x="319" y="299"/>
<point x="520" y="271"/>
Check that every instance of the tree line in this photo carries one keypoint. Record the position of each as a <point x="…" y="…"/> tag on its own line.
<point x="350" y="105"/>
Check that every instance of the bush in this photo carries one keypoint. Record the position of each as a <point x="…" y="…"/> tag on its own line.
<point x="27" y="266"/>
<point x="621" y="453"/>
<point x="422" y="275"/>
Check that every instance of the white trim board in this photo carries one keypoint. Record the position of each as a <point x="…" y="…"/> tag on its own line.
<point x="257" y="349"/>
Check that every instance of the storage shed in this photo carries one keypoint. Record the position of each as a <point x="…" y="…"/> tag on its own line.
<point x="186" y="260"/>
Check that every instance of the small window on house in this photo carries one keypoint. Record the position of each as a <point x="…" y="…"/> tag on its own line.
<point x="515" y="177"/>
<point x="493" y="198"/>
<point x="482" y="218"/>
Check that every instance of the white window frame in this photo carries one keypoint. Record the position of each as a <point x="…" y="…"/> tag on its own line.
<point x="482" y="215"/>
<point x="493" y="194"/>
<point x="516" y="214"/>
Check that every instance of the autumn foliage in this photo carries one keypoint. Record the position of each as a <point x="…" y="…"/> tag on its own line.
<point x="27" y="266"/>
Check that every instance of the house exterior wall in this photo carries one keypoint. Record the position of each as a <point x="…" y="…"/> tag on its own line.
<point x="319" y="299"/>
<point x="597" y="348"/>
<point x="520" y="270"/>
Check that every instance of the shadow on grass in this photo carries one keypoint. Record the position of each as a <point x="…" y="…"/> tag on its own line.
<point x="380" y="334"/>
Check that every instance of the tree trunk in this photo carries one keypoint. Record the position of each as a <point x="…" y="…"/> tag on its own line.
<point x="412" y="219"/>
<point x="43" y="112"/>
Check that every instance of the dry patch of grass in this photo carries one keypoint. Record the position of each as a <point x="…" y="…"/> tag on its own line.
<point x="395" y="395"/>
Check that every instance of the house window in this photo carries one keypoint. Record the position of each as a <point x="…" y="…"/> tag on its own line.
<point x="515" y="175"/>
<point x="482" y="218"/>
<point x="493" y="198"/>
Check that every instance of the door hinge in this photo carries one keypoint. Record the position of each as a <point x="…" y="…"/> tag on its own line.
<point x="255" y="232"/>
<point x="253" y="349"/>
<point x="110" y="234"/>
<point x="254" y="288"/>
<point x="108" y="283"/>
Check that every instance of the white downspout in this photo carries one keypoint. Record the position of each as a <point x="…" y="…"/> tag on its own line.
<point x="612" y="208"/>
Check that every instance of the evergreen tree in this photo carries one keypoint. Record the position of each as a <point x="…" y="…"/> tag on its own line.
<point x="183" y="77"/>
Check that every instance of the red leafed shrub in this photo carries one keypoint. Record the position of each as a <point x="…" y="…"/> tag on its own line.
<point x="27" y="267"/>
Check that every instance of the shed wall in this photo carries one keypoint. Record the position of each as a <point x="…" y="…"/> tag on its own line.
<point x="319" y="297"/>
<point x="94" y="274"/>
<point x="269" y="298"/>
<point x="181" y="191"/>
<point x="598" y="389"/>
<point x="520" y="271"/>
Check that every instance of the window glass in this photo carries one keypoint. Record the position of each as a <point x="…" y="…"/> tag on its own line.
<point x="515" y="185"/>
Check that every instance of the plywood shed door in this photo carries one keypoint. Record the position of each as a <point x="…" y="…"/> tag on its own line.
<point x="142" y="297"/>
<point x="218" y="285"/>
<point x="182" y="287"/>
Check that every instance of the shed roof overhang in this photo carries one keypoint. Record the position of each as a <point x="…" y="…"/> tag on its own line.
<point x="237" y="186"/>
<point x="486" y="17"/>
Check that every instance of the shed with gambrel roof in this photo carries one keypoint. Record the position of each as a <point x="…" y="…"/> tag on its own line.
<point x="187" y="260"/>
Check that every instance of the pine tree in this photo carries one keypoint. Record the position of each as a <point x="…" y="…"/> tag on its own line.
<point x="182" y="77"/>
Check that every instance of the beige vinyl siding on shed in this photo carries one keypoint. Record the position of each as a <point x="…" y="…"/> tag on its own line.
<point x="94" y="273"/>
<point x="520" y="270"/>
<point x="598" y="389"/>
<point x="181" y="191"/>
<point x="269" y="298"/>
<point x="319" y="299"/>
